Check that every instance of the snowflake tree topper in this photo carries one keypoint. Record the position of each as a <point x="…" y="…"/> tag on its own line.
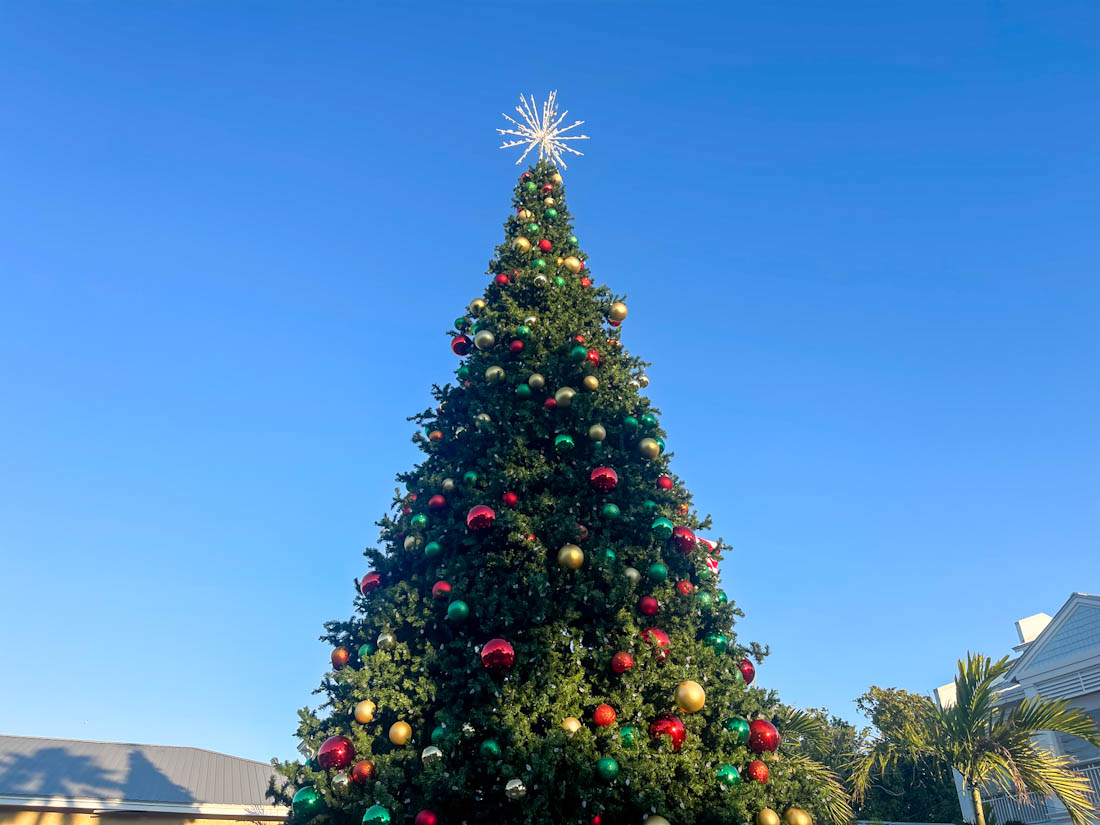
<point x="546" y="133"/>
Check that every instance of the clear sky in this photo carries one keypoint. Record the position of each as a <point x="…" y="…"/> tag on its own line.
<point x="859" y="243"/>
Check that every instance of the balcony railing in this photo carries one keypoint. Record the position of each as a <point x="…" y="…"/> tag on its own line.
<point x="1005" y="806"/>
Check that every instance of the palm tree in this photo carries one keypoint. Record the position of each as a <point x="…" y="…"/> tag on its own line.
<point x="988" y="745"/>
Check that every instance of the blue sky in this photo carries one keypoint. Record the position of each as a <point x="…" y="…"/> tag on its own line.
<point x="859" y="242"/>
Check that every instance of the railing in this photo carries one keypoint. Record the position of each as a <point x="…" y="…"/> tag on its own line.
<point x="1092" y="772"/>
<point x="1005" y="806"/>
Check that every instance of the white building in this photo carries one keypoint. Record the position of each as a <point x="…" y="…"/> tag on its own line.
<point x="1059" y="658"/>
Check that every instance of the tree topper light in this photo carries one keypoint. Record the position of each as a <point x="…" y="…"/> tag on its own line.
<point x="546" y="133"/>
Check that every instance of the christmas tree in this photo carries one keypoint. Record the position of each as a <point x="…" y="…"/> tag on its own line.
<point x="542" y="637"/>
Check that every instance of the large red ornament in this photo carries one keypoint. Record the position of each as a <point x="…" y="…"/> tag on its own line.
<point x="545" y="245"/>
<point x="648" y="606"/>
<point x="426" y="817"/>
<point x="460" y="345"/>
<point x="622" y="661"/>
<point x="604" y="715"/>
<point x="582" y="532"/>
<point x="603" y="479"/>
<point x="586" y="282"/>
<point x="441" y="589"/>
<point x="501" y="280"/>
<point x="480" y="517"/>
<point x="335" y="753"/>
<point x="340" y="657"/>
<point x="762" y="736"/>
<point x="594" y="357"/>
<point x="550" y="403"/>
<point x="669" y="725"/>
<point x="683" y="538"/>
<point x="498" y="655"/>
<point x="437" y="502"/>
<point x="547" y="188"/>
<point x="748" y="672"/>
<point x="685" y="587"/>
<point x="515" y="347"/>
<point x="510" y="499"/>
<point x="757" y="771"/>
<point x="664" y="482"/>
<point x="362" y="771"/>
<point x="658" y="640"/>
<point x="371" y="581"/>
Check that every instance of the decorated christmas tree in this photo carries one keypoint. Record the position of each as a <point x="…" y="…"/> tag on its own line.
<point x="541" y="637"/>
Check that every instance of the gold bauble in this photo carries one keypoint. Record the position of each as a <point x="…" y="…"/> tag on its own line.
<point x="521" y="245"/>
<point x="649" y="448"/>
<point x="536" y="381"/>
<point x="633" y="574"/>
<point x="548" y="201"/>
<point x="556" y="178"/>
<point x="364" y="712"/>
<point x="386" y="640"/>
<point x="766" y="816"/>
<point x="477" y="305"/>
<point x="560" y="260"/>
<point x="597" y="432"/>
<point x="571" y="724"/>
<point x="412" y="542"/>
<point x="448" y="485"/>
<point x="690" y="697"/>
<point x="573" y="264"/>
<point x="591" y="382"/>
<point x="484" y="339"/>
<point x="571" y="557"/>
<point x="797" y="816"/>
<point x="654" y="819"/>
<point x="564" y="396"/>
<point x="525" y="214"/>
<point x="400" y="733"/>
<point x="617" y="311"/>
<point x="494" y="374"/>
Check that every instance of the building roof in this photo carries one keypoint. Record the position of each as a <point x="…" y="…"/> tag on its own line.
<point x="149" y="777"/>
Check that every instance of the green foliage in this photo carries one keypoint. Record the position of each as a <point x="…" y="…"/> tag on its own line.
<point x="484" y="439"/>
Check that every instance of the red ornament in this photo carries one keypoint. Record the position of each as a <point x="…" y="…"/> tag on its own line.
<point x="757" y="771"/>
<point x="664" y="483"/>
<point x="480" y="517"/>
<point x="501" y="280"/>
<point x="441" y="589"/>
<point x="615" y="323"/>
<point x="613" y="342"/>
<point x="684" y="539"/>
<point x="526" y="176"/>
<point x="579" y="339"/>
<point x="596" y="820"/>
<point x="582" y="266"/>
<point x="748" y="672"/>
<point x="586" y="282"/>
<point x="603" y="479"/>
<point x="371" y="581"/>
<point x="545" y="245"/>
<point x="362" y="771"/>
<point x="594" y="357"/>
<point x="762" y="736"/>
<point x="426" y="817"/>
<point x="547" y="188"/>
<point x="340" y="657"/>
<point x="335" y="753"/>
<point x="604" y="715"/>
<point x="437" y="502"/>
<point x="685" y="587"/>
<point x="683" y="509"/>
<point x="460" y="345"/>
<point x="670" y="725"/>
<point x="648" y="606"/>
<point x="412" y="496"/>
<point x="582" y="532"/>
<point x="549" y="403"/>
<point x="515" y="347"/>
<point x="435" y="435"/>
<point x="510" y="499"/>
<point x="622" y="661"/>
<point x="407" y="510"/>
<point x="658" y="640"/>
<point x="498" y="655"/>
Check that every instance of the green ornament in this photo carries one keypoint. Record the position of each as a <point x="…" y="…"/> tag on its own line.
<point x="578" y="353"/>
<point x="718" y="643"/>
<point x="738" y="727"/>
<point x="609" y="555"/>
<point x="307" y="803"/>
<point x="563" y="443"/>
<point x="728" y="777"/>
<point x="530" y="186"/>
<point x="439" y="733"/>
<point x="540" y="263"/>
<point x="470" y="477"/>
<point x="463" y="373"/>
<point x="313" y="764"/>
<point x="366" y="649"/>
<point x="559" y="281"/>
<point x="660" y="442"/>
<point x="523" y="391"/>
<point x="649" y="421"/>
<point x="608" y="768"/>
<point x="532" y="227"/>
<point x="573" y="240"/>
<point x="419" y="521"/>
<point x="630" y="422"/>
<point x="458" y="611"/>
<point x="432" y="549"/>
<point x="376" y="815"/>
<point x="704" y="598"/>
<point x="523" y="331"/>
<point x="721" y="597"/>
<point x="658" y="572"/>
<point x="662" y="528"/>
<point x="551" y="213"/>
<point x="705" y="573"/>
<point x="489" y="749"/>
<point x="649" y="505"/>
<point x="462" y="323"/>
<point x="628" y="736"/>
<point x="610" y="511"/>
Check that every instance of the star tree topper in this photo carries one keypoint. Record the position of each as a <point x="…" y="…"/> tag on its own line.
<point x="547" y="133"/>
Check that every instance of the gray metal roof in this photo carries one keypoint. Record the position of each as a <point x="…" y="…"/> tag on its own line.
<point x="116" y="771"/>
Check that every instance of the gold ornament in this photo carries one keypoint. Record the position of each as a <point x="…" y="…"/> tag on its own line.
<point x="649" y="448"/>
<point x="766" y="816"/>
<point x="484" y="339"/>
<point x="494" y="374"/>
<point x="573" y="264"/>
<point x="521" y="245"/>
<point x="548" y="201"/>
<point x="560" y="260"/>
<point x="536" y="381"/>
<point x="690" y="698"/>
<point x="564" y="396"/>
<point x="597" y="432"/>
<point x="364" y="712"/>
<point x="386" y="640"/>
<point x="571" y="557"/>
<point x="556" y="179"/>
<point x="590" y="382"/>
<point x="525" y="214"/>
<point x="571" y="724"/>
<point x="477" y="305"/>
<point x="633" y="574"/>
<point x="654" y="819"/>
<point x="412" y="542"/>
<point x="448" y="485"/>
<point x="400" y="733"/>
<point x="797" y="816"/>
<point x="617" y="311"/>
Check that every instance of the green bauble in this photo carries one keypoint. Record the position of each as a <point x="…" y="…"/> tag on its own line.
<point x="523" y="331"/>
<point x="470" y="477"/>
<point x="609" y="555"/>
<point x="563" y="443"/>
<point x="662" y="528"/>
<point x="432" y="549"/>
<point x="523" y="391"/>
<point x="649" y="505"/>
<point x="462" y="323"/>
<point x="551" y="213"/>
<point x="439" y="733"/>
<point x="540" y="263"/>
<point x="628" y="736"/>
<point x="578" y="353"/>
<point x="649" y="421"/>
<point x="458" y="611"/>
<point x="608" y="768"/>
<point x="530" y="186"/>
<point x="721" y="597"/>
<point x="610" y="512"/>
<point x="366" y="649"/>
<point x="307" y="802"/>
<point x="718" y="643"/>
<point x="705" y="573"/>
<point x="419" y="521"/>
<point x="728" y="777"/>
<point x="630" y="422"/>
<point x="489" y="749"/>
<point x="463" y="373"/>
<point x="573" y="240"/>
<point x="376" y="815"/>
<point x="660" y="442"/>
<point x="704" y="598"/>
<point x="738" y="727"/>
<point x="559" y="281"/>
<point x="657" y="572"/>
<point x="532" y="227"/>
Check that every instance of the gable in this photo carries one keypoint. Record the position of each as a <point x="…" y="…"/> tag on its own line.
<point x="1075" y="637"/>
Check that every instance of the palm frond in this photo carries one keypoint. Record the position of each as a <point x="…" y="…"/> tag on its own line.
<point x="1055" y="715"/>
<point x="810" y="729"/>
<point x="834" y="796"/>
<point x="1045" y="774"/>
<point x="863" y="766"/>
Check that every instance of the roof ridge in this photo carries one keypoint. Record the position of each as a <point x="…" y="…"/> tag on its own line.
<point x="136" y="745"/>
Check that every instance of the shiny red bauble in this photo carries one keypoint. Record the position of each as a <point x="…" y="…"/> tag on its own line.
<point x="498" y="655"/>
<point x="547" y="188"/>
<point x="441" y="589"/>
<point x="669" y="725"/>
<point x="664" y="482"/>
<point x="604" y="715"/>
<point x="748" y="672"/>
<point x="685" y="587"/>
<point x="340" y="657"/>
<point x="371" y="581"/>
<point x="437" y="502"/>
<point x="648" y="606"/>
<point x="603" y="479"/>
<point x="526" y="176"/>
<point x="362" y="771"/>
<point x="757" y="771"/>
<point x="658" y="640"/>
<point x="335" y="753"/>
<point x="683" y="538"/>
<point x="510" y="499"/>
<point x="501" y="280"/>
<point x="593" y="357"/>
<point x="515" y="347"/>
<point x="545" y="245"/>
<point x="614" y="323"/>
<point x="549" y="403"/>
<point x="582" y="533"/>
<point x="426" y="817"/>
<point x="596" y="820"/>
<point x="622" y="661"/>
<point x="435" y="435"/>
<point x="461" y="344"/>
<point x="480" y="517"/>
<point x="762" y="736"/>
<point x="586" y="282"/>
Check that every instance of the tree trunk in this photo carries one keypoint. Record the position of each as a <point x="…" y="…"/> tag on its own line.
<point x="979" y="812"/>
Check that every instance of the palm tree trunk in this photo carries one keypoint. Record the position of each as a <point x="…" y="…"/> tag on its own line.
<point x="979" y="812"/>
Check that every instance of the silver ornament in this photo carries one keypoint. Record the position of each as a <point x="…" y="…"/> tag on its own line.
<point x="448" y="485"/>
<point x="515" y="789"/>
<point x="635" y="384"/>
<point x="411" y="543"/>
<point x="536" y="382"/>
<point x="481" y="419"/>
<point x="386" y="640"/>
<point x="484" y="339"/>
<point x="431" y="756"/>
<point x="494" y="374"/>
<point x="530" y="320"/>
<point x="643" y="379"/>
<point x="340" y="782"/>
<point x="564" y="396"/>
<point x="597" y="432"/>
<point x="633" y="574"/>
<point x="541" y="280"/>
